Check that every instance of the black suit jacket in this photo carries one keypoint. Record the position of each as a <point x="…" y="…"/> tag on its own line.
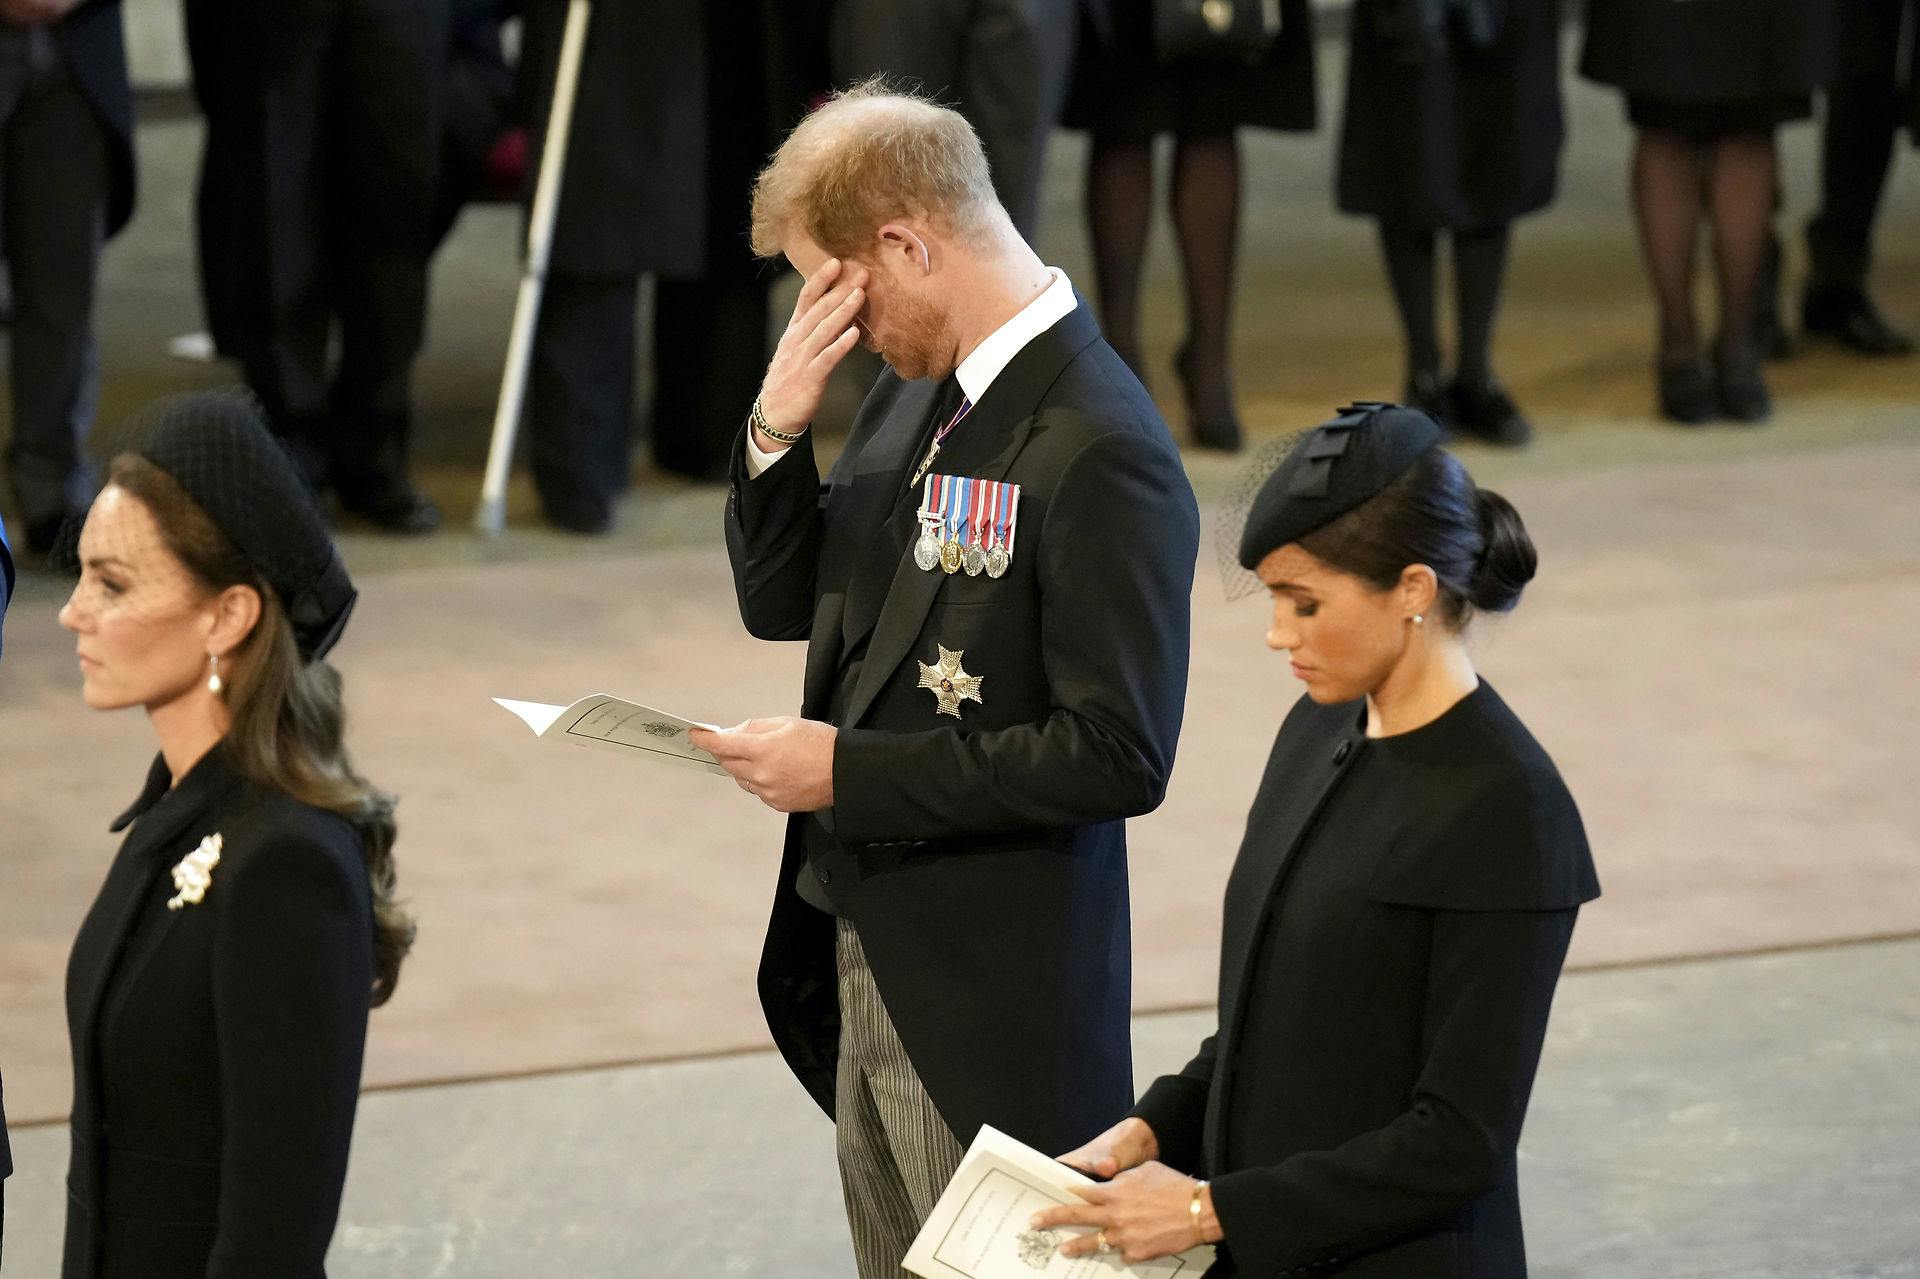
<point x="217" y="1047"/>
<point x="93" y="44"/>
<point x="1393" y="932"/>
<point x="983" y="860"/>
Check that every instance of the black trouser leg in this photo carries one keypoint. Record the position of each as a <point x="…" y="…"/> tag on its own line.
<point x="709" y="352"/>
<point x="264" y="199"/>
<point x="54" y="152"/>
<point x="580" y="396"/>
<point x="387" y="148"/>
<point x="1864" y="112"/>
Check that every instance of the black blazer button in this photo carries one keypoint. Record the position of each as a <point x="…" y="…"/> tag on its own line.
<point x="1342" y="751"/>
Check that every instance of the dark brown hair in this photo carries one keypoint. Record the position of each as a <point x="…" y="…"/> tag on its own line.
<point x="287" y="718"/>
<point x="1434" y="514"/>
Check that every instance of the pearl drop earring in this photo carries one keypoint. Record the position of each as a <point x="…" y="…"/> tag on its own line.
<point x="214" y="682"/>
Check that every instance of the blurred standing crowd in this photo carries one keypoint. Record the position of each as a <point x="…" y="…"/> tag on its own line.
<point x="343" y="136"/>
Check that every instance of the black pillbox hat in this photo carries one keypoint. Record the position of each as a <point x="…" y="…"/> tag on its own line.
<point x="216" y="446"/>
<point x="1332" y="469"/>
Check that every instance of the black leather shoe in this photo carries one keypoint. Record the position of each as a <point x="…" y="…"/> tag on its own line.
<point x="1209" y="406"/>
<point x="1845" y="314"/>
<point x="1483" y="409"/>
<point x="1741" y="391"/>
<point x="580" y="516"/>
<point x="1686" y="394"/>
<point x="392" y="506"/>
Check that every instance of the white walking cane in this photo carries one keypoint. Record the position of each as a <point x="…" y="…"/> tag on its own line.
<point x="491" y="516"/>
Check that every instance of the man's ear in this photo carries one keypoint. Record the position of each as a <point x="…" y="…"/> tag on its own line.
<point x="897" y="238"/>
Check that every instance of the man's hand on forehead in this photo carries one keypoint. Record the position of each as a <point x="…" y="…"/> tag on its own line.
<point x="824" y="327"/>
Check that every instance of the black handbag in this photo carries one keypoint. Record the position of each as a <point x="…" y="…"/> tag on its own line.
<point x="1187" y="32"/>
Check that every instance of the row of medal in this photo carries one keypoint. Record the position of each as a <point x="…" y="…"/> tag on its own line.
<point x="967" y="524"/>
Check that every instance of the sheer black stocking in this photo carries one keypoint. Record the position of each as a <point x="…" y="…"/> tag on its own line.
<point x="1119" y="208"/>
<point x="1666" y="198"/>
<point x="1740" y="190"/>
<point x="1409" y="252"/>
<point x="1206" y="219"/>
<point x="1479" y="266"/>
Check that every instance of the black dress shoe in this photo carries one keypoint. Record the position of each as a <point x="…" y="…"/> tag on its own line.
<point x="1844" y="313"/>
<point x="1481" y="407"/>
<point x="1209" y="407"/>
<point x="1686" y="394"/>
<point x="1741" y="391"/>
<point x="392" y="506"/>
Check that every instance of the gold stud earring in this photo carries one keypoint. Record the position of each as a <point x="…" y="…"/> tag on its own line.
<point x="214" y="682"/>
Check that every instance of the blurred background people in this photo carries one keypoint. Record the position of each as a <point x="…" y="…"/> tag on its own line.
<point x="1124" y="96"/>
<point x="66" y="167"/>
<point x="219" y="987"/>
<point x="1875" y="92"/>
<point x="317" y="207"/>
<point x="483" y="144"/>
<point x="1003" y="64"/>
<point x="1453" y="124"/>
<point x="1707" y="84"/>
<point x="679" y="103"/>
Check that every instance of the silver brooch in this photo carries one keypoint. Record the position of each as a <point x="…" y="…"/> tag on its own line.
<point x="194" y="875"/>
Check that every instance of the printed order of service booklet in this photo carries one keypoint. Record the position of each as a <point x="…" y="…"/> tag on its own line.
<point x="611" y="723"/>
<point x="979" y="1228"/>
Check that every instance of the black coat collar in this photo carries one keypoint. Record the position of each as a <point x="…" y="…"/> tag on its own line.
<point x="211" y="776"/>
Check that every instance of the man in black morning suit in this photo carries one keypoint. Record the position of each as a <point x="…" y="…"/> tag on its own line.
<point x="949" y="943"/>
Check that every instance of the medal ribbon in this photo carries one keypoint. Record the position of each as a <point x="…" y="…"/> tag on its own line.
<point x="954" y="508"/>
<point x="1010" y="521"/>
<point x="977" y="516"/>
<point x="932" y="500"/>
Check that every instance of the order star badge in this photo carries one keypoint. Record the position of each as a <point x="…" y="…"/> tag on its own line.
<point x="951" y="685"/>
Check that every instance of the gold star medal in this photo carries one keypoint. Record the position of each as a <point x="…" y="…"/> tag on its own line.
<point x="951" y="685"/>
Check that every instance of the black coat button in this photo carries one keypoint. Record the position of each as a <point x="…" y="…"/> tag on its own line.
<point x="1342" y="751"/>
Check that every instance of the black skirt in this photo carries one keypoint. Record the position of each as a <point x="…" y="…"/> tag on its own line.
<point x="1464" y="134"/>
<point x="1121" y="93"/>
<point x="1711" y="51"/>
<point x="1710" y="121"/>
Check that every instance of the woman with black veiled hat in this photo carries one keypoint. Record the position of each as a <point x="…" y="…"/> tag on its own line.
<point x="218" y="991"/>
<point x="1397" y="918"/>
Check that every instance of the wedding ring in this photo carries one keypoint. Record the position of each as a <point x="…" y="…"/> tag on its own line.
<point x="1100" y="1243"/>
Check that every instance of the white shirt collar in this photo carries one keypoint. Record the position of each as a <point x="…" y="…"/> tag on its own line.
<point x="977" y="372"/>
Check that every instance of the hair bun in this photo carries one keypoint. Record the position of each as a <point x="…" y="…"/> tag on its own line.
<point x="1508" y="560"/>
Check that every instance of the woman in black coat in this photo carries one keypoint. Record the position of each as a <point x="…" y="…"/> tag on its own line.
<point x="1707" y="84"/>
<point x="1125" y="96"/>
<point x="218" y="991"/>
<point x="1454" y="125"/>
<point x="1397" y="918"/>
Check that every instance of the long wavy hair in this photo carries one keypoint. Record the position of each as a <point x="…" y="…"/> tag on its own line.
<point x="287" y="718"/>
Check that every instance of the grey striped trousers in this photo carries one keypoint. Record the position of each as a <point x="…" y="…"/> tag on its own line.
<point x="896" y="1153"/>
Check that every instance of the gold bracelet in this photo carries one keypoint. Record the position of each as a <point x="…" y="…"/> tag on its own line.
<point x="1193" y="1212"/>
<point x="758" y="418"/>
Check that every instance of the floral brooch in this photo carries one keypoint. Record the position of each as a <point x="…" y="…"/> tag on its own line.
<point x="194" y="875"/>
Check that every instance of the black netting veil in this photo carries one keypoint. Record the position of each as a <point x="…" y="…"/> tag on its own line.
<point x="1236" y="581"/>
